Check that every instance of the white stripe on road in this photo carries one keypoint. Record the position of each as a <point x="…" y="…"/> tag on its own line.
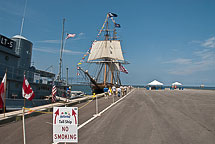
<point x="99" y="114"/>
<point x="49" y="123"/>
<point x="95" y="116"/>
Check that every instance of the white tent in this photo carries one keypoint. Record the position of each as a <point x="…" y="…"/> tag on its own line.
<point x="155" y="83"/>
<point x="176" y="84"/>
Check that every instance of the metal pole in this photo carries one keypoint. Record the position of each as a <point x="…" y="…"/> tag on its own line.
<point x="113" y="97"/>
<point x="23" y="18"/>
<point x="97" y="109"/>
<point x="67" y="76"/>
<point x="61" y="52"/>
<point x="23" y="124"/>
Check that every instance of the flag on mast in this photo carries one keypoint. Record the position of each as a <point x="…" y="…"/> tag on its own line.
<point x="54" y="91"/>
<point x="117" y="25"/>
<point x="27" y="91"/>
<point x="70" y="35"/>
<point x="112" y="14"/>
<point x="2" y="91"/>
<point x="123" y="69"/>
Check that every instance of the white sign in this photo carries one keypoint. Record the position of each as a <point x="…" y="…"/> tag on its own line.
<point x="65" y="124"/>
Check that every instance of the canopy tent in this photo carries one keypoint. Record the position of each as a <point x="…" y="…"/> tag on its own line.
<point x="176" y="84"/>
<point x="155" y="83"/>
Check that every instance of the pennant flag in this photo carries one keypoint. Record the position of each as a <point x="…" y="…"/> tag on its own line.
<point x="117" y="25"/>
<point x="54" y="91"/>
<point x="112" y="14"/>
<point x="122" y="69"/>
<point x="27" y="91"/>
<point x="70" y="35"/>
<point x="2" y="91"/>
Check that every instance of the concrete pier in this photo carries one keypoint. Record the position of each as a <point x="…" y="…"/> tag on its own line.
<point x="143" y="116"/>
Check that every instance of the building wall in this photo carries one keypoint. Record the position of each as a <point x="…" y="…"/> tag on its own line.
<point x="8" y="57"/>
<point x="24" y="50"/>
<point x="16" y="57"/>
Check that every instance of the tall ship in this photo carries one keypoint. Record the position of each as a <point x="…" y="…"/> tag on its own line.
<point x="105" y="58"/>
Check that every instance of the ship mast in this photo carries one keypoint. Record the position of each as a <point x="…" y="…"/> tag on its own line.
<point x="106" y="65"/>
<point x="108" y="54"/>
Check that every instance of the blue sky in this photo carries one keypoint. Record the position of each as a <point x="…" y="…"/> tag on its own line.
<point x="167" y="40"/>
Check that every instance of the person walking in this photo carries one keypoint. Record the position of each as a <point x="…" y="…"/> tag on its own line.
<point x="114" y="90"/>
<point x="106" y="92"/>
<point x="109" y="91"/>
<point x="119" y="91"/>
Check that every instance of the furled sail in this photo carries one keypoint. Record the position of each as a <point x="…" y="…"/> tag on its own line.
<point x="106" y="49"/>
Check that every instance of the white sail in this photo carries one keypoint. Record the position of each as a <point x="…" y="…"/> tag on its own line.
<point x="106" y="49"/>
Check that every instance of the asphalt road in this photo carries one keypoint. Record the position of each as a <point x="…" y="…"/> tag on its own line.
<point x="156" y="117"/>
<point x="39" y="128"/>
<point x="143" y="117"/>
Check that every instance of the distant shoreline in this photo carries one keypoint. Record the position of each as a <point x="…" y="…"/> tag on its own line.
<point x="186" y="87"/>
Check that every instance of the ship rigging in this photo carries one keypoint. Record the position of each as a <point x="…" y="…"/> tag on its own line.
<point x="107" y="55"/>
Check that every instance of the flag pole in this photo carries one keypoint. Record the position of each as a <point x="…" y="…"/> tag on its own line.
<point x="23" y="117"/>
<point x="23" y="124"/>
<point x="24" y="102"/>
<point x="22" y="88"/>
<point x="5" y="88"/>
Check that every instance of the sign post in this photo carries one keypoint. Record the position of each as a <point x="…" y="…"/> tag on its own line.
<point x="65" y="124"/>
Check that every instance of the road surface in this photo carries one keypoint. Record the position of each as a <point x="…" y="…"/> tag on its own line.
<point x="143" y="117"/>
<point x="156" y="117"/>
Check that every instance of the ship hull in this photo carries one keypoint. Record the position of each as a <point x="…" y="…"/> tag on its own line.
<point x="100" y="87"/>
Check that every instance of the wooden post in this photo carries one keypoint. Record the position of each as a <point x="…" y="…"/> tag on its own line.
<point x="105" y="74"/>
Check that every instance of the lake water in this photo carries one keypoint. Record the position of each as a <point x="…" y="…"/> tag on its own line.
<point x="84" y="88"/>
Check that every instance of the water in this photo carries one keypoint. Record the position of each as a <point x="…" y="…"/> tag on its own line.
<point x="188" y="87"/>
<point x="84" y="88"/>
<point x="17" y="104"/>
<point x="202" y="88"/>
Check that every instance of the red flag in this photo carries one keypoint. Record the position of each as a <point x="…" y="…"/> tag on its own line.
<point x="2" y="91"/>
<point x="70" y="35"/>
<point x="54" y="91"/>
<point x="123" y="69"/>
<point x="27" y="91"/>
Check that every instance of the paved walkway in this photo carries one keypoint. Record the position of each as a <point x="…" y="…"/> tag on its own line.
<point x="11" y="116"/>
<point x="156" y="117"/>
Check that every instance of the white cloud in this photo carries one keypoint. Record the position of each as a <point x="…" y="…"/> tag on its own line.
<point x="55" y="51"/>
<point x="50" y="41"/>
<point x="44" y="49"/>
<point x="210" y="43"/>
<point x="180" y="61"/>
<point x="203" y="60"/>
<point x="197" y="66"/>
<point x="79" y="36"/>
<point x="72" y="52"/>
<point x="205" y="54"/>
